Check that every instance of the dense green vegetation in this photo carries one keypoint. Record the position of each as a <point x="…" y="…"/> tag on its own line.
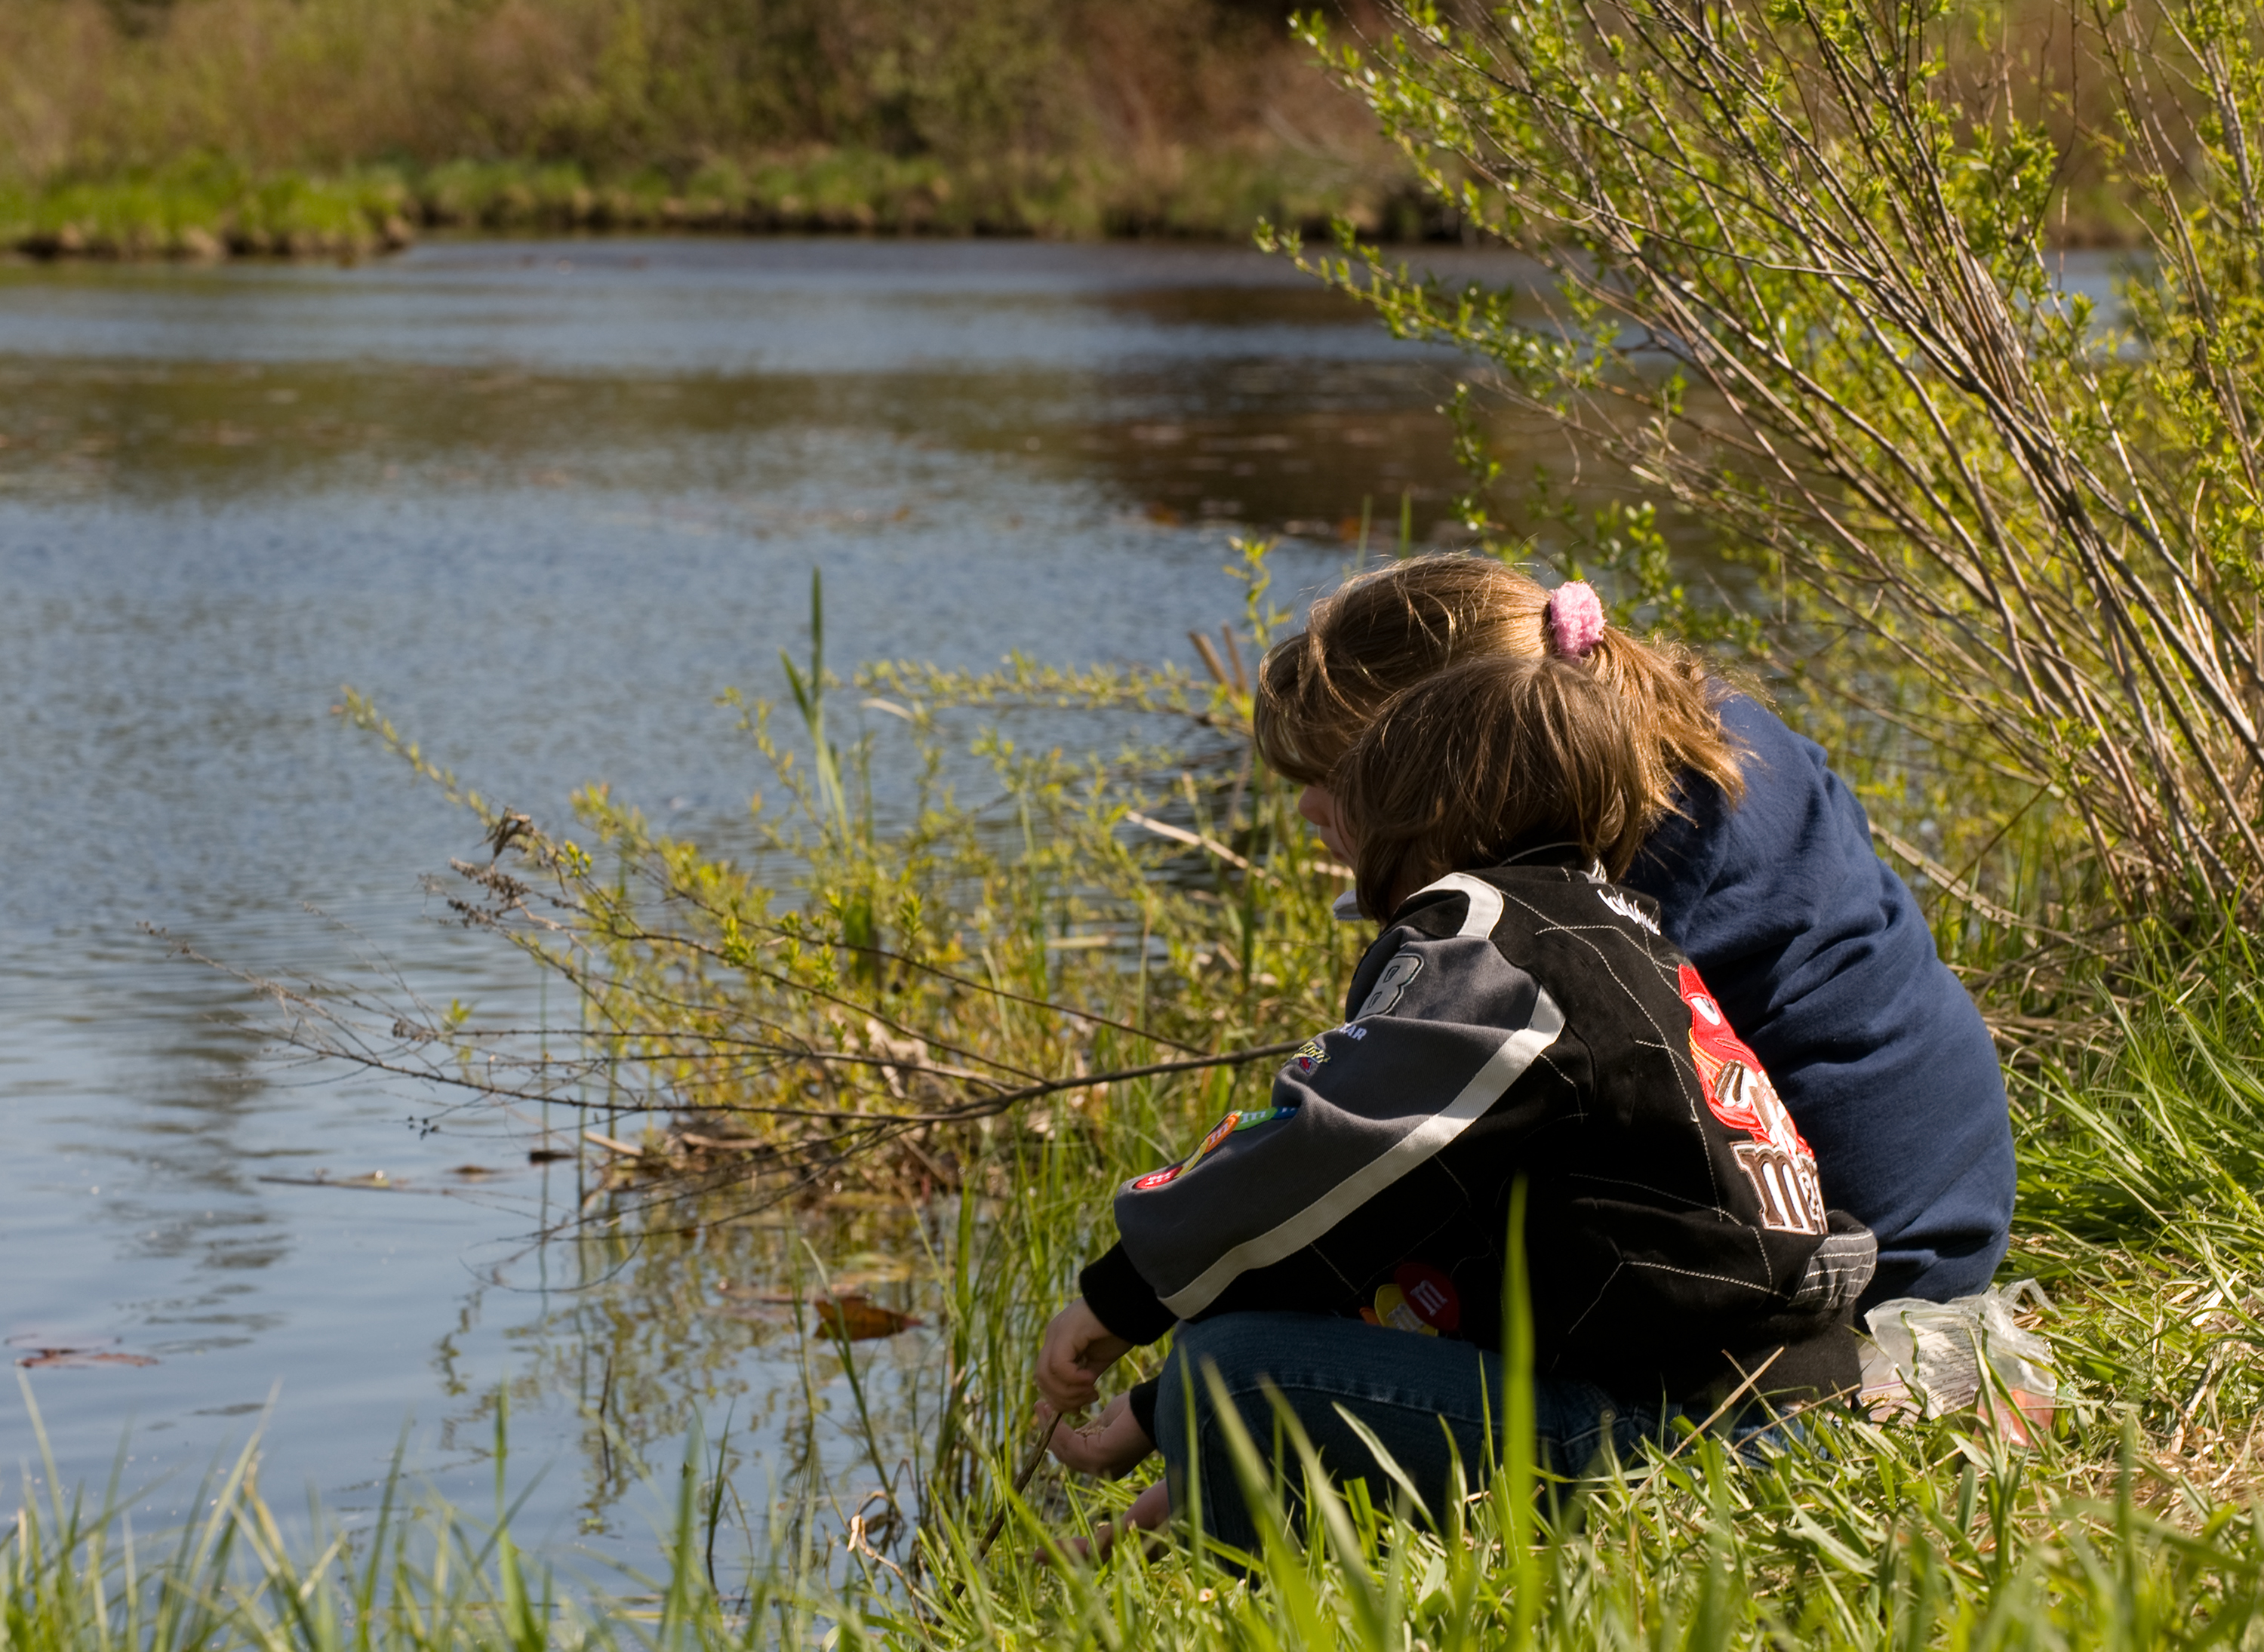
<point x="197" y="127"/>
<point x="772" y="1025"/>
<point x="193" y="127"/>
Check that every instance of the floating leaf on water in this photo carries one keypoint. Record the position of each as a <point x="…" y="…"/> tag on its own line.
<point x="859" y="1317"/>
<point x="50" y="1358"/>
<point x="473" y="1170"/>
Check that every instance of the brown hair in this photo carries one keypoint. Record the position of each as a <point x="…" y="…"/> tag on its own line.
<point x="1487" y="756"/>
<point x="1381" y="632"/>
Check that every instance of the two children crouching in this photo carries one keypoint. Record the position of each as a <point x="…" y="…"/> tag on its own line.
<point x="1519" y="1016"/>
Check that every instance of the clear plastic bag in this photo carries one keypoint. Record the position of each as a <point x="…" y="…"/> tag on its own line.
<point x="1927" y="1358"/>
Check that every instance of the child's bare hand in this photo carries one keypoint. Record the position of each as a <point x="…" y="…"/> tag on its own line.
<point x="1111" y="1445"/>
<point x="1077" y="1350"/>
<point x="1150" y="1510"/>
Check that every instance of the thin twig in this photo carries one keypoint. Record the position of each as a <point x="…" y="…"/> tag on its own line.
<point x="1029" y="1466"/>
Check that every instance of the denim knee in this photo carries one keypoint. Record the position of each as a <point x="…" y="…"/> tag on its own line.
<point x="1426" y="1399"/>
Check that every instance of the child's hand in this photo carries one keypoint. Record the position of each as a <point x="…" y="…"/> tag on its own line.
<point x="1150" y="1510"/>
<point x="1077" y="1350"/>
<point x="1111" y="1445"/>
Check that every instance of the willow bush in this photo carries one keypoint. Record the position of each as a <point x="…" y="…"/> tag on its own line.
<point x="1796" y="273"/>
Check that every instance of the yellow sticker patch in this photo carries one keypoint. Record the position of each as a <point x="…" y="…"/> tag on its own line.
<point x="1393" y="1308"/>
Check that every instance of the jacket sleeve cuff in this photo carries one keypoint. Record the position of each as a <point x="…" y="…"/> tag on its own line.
<point x="1142" y="1397"/>
<point x="1122" y="1300"/>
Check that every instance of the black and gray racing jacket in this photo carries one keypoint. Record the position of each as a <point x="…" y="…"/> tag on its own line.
<point x="1523" y="1020"/>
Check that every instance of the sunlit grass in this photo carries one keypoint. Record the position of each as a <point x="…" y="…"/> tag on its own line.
<point x="2134" y="1527"/>
<point x="140" y="130"/>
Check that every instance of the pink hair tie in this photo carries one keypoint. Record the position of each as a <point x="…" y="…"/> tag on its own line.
<point x="1575" y="618"/>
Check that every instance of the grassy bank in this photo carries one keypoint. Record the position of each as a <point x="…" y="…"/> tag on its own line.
<point x="194" y="128"/>
<point x="198" y="128"/>
<point x="212" y="210"/>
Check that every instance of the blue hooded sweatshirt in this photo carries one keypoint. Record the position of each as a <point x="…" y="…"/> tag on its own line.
<point x="1818" y="953"/>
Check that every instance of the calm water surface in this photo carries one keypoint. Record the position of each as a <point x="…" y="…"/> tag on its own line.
<point x="545" y="502"/>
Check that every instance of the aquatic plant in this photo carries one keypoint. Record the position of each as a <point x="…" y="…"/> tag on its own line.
<point x="1106" y="926"/>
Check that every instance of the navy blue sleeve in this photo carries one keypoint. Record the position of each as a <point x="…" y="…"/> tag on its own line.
<point x="1822" y="962"/>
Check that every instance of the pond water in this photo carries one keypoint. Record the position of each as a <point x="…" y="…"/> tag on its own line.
<point x="544" y="502"/>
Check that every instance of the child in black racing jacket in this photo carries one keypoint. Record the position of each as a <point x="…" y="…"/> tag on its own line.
<point x="1519" y="1016"/>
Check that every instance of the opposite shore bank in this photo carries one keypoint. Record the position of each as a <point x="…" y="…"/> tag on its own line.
<point x="214" y="211"/>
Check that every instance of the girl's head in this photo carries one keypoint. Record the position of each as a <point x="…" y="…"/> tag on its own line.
<point x="1475" y="763"/>
<point x="1383" y="632"/>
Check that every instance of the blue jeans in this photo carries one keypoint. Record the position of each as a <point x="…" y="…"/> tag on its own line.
<point x="1402" y="1385"/>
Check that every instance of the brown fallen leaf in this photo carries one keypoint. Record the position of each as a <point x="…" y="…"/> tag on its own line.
<point x="69" y="1356"/>
<point x="858" y="1317"/>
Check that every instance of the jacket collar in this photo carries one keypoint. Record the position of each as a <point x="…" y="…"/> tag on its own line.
<point x="1561" y="854"/>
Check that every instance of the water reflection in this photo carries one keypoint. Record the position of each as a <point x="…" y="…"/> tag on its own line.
<point x="1270" y="446"/>
<point x="650" y="1337"/>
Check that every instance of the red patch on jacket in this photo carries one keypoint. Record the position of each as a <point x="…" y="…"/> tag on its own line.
<point x="1430" y="1292"/>
<point x="1738" y="1093"/>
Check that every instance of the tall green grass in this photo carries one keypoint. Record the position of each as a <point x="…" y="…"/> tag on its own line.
<point x="2136" y="1527"/>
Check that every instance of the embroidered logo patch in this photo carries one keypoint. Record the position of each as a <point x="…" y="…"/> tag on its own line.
<point x="1419" y="1299"/>
<point x="1244" y="1120"/>
<point x="1392" y="985"/>
<point x="1780" y="1164"/>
